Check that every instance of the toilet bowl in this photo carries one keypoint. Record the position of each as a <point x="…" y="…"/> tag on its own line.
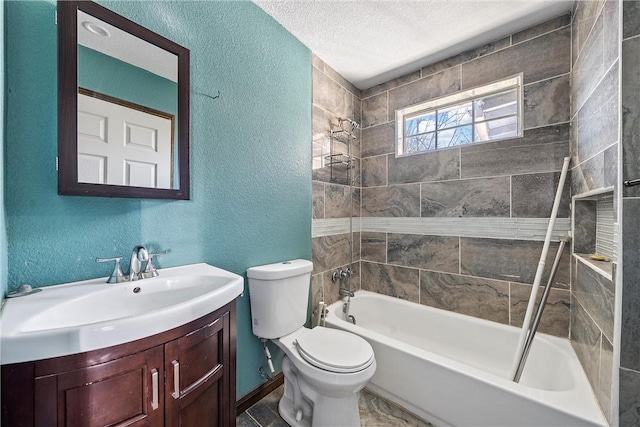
<point x="323" y="368"/>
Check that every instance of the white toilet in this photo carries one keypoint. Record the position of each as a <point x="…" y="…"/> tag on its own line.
<point x="323" y="368"/>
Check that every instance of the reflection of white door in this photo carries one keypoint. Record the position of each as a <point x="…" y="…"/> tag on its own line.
<point x="122" y="146"/>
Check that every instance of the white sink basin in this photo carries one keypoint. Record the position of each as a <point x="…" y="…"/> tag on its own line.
<point x="88" y="315"/>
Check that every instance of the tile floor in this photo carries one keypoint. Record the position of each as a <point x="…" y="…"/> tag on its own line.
<point x="374" y="412"/>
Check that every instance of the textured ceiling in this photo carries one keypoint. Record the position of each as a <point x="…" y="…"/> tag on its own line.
<point x="372" y="41"/>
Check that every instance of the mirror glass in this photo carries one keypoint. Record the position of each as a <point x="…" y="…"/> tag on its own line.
<point x="128" y="127"/>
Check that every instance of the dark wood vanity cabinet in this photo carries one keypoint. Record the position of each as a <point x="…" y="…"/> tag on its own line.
<point x="183" y="377"/>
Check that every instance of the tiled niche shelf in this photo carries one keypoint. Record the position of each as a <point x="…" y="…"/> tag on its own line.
<point x="594" y="230"/>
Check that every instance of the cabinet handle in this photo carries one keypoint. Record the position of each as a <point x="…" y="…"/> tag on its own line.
<point x="154" y="389"/>
<point x="176" y="379"/>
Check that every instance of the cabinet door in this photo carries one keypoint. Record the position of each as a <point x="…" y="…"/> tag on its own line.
<point x="197" y="380"/>
<point x="122" y="392"/>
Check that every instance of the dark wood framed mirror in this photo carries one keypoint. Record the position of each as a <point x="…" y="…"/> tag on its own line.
<point x="123" y="107"/>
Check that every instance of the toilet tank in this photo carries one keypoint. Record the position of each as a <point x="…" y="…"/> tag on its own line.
<point x="279" y="295"/>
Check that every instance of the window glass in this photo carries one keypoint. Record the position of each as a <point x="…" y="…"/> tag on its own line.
<point x="485" y="113"/>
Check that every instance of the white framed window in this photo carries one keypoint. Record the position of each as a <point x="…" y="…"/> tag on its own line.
<point x="485" y="113"/>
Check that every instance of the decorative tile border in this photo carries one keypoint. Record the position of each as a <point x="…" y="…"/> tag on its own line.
<point x="495" y="228"/>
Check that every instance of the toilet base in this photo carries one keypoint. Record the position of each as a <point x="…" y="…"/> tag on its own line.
<point x="288" y="413"/>
<point x="327" y="412"/>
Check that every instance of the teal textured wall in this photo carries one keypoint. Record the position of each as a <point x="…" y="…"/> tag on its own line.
<point x="250" y="155"/>
<point x="3" y="228"/>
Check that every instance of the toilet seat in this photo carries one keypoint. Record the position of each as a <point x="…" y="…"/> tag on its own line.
<point x="334" y="350"/>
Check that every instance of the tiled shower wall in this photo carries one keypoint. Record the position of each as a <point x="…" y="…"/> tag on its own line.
<point x="595" y="122"/>
<point x="333" y="98"/>
<point x="630" y="330"/>
<point x="462" y="228"/>
<point x="446" y="228"/>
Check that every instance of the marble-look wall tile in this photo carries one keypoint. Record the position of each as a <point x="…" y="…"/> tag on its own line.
<point x="516" y="160"/>
<point x="538" y="136"/>
<point x="610" y="175"/>
<point x="378" y="140"/>
<point x="473" y="296"/>
<point x="431" y="166"/>
<point x="586" y="341"/>
<point x="330" y="96"/>
<point x="630" y="18"/>
<point x="317" y="293"/>
<point x="538" y="59"/>
<point x="318" y="200"/>
<point x="494" y="259"/>
<point x="337" y="77"/>
<point x="555" y="318"/>
<point x="629" y="396"/>
<point x="356" y="267"/>
<point x="356" y="246"/>
<point x="466" y="198"/>
<point x="332" y="289"/>
<point x="438" y="253"/>
<point x="586" y="14"/>
<point x="374" y="110"/>
<point x="611" y="13"/>
<point x="584" y="223"/>
<point x="630" y="335"/>
<point x="320" y="123"/>
<point x="546" y="102"/>
<point x="598" y="120"/>
<point x="589" y="68"/>
<point x="533" y="195"/>
<point x="603" y="392"/>
<point x="400" y="282"/>
<point x="317" y="62"/>
<point x="596" y="295"/>
<point x="631" y="113"/>
<point x="391" y="201"/>
<point x="328" y="252"/>
<point x="374" y="246"/>
<point x="356" y="195"/>
<point x="545" y="27"/>
<point x="466" y="56"/>
<point x="588" y="175"/>
<point x="407" y="78"/>
<point x="336" y="202"/>
<point x="374" y="171"/>
<point x="430" y="87"/>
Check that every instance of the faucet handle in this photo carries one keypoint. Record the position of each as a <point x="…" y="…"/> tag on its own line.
<point x="150" y="269"/>
<point x="116" y="275"/>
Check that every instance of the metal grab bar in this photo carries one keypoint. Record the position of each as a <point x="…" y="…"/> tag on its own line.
<point x="631" y="182"/>
<point x="536" y="320"/>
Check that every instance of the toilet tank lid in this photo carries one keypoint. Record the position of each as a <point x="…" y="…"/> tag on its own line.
<point x="280" y="270"/>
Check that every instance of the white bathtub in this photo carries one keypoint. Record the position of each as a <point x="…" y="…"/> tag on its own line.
<point x="451" y="369"/>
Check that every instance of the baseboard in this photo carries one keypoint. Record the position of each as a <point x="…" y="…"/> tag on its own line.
<point x="258" y="393"/>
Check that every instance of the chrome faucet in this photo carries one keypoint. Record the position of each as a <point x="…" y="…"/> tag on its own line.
<point x="138" y="256"/>
<point x="341" y="275"/>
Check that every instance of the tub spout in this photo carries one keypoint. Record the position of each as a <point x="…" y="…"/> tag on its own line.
<point x="346" y="292"/>
<point x="351" y="319"/>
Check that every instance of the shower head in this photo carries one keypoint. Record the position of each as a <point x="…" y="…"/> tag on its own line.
<point x="353" y="123"/>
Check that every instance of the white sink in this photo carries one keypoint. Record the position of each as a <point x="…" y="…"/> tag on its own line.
<point x="88" y="315"/>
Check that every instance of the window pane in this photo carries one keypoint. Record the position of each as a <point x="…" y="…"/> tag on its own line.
<point x="456" y="136"/>
<point x="506" y="127"/>
<point x="420" y="124"/>
<point x="494" y="106"/>
<point x="418" y="144"/>
<point x="454" y="116"/>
